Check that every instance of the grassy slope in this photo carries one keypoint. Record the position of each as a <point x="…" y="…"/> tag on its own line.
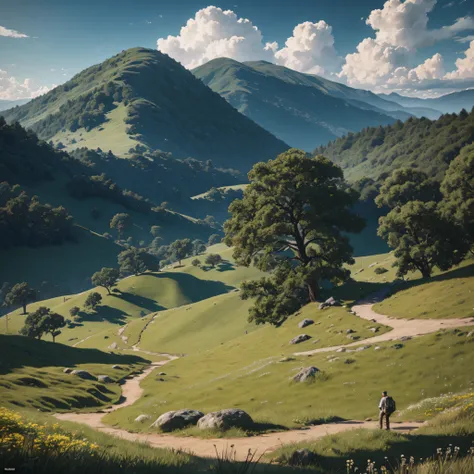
<point x="446" y="295"/>
<point x="32" y="375"/>
<point x="234" y="187"/>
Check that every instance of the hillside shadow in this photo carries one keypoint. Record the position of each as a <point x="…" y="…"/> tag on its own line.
<point x="353" y="291"/>
<point x="141" y="301"/>
<point x="112" y="315"/>
<point x="194" y="288"/>
<point x="225" y="266"/>
<point x="20" y="351"/>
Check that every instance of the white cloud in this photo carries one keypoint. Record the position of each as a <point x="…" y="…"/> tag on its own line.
<point x="401" y="28"/>
<point x="215" y="33"/>
<point x="12" y="89"/>
<point x="310" y="49"/>
<point x="11" y="33"/>
<point x="464" y="66"/>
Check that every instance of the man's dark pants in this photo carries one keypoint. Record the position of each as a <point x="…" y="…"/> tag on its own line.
<point x="383" y="416"/>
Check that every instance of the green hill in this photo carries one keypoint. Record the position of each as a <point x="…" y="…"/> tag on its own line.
<point x="429" y="145"/>
<point x="298" y="108"/>
<point x="143" y="99"/>
<point x="32" y="375"/>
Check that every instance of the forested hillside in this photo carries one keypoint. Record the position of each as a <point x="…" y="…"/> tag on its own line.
<point x="374" y="153"/>
<point x="142" y="100"/>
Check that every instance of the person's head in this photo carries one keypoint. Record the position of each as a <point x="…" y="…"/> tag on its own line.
<point x="384" y="393"/>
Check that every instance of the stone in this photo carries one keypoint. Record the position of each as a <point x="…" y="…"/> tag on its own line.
<point x="377" y="348"/>
<point x="397" y="346"/>
<point x="305" y="374"/>
<point x="363" y="348"/>
<point x="349" y="331"/>
<point x="177" y="420"/>
<point x="105" y="379"/>
<point x="226" y="419"/>
<point x="67" y="370"/>
<point x="341" y="349"/>
<point x="470" y="334"/>
<point x="300" y="338"/>
<point x="374" y="329"/>
<point x="113" y="346"/>
<point x="162" y="373"/>
<point x="305" y="322"/>
<point x="83" y="374"/>
<point x="142" y="418"/>
<point x="117" y="367"/>
<point x="405" y="338"/>
<point x="302" y="457"/>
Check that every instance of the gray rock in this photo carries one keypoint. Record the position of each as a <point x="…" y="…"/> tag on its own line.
<point x="226" y="419"/>
<point x="363" y="348"/>
<point x="177" y="420"/>
<point x="83" y="374"/>
<point x="349" y="331"/>
<point x="374" y="329"/>
<point x="105" y="379"/>
<point x="329" y="302"/>
<point x="113" y="346"/>
<point x="302" y="457"/>
<point x="377" y="348"/>
<point x="67" y="370"/>
<point x="341" y="349"/>
<point x="117" y="367"/>
<point x="305" y="322"/>
<point x="305" y="374"/>
<point x="142" y="418"/>
<point x="470" y="334"/>
<point x="162" y="373"/>
<point x="405" y="338"/>
<point x="300" y="338"/>
<point x="397" y="346"/>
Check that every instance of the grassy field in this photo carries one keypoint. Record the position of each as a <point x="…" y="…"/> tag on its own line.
<point x="234" y="187"/>
<point x="31" y="373"/>
<point x="446" y="295"/>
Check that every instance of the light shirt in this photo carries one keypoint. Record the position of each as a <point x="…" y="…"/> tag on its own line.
<point x="382" y="403"/>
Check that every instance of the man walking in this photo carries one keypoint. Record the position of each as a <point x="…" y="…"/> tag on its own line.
<point x="386" y="406"/>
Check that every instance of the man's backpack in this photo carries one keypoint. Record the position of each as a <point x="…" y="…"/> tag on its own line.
<point x="390" y="405"/>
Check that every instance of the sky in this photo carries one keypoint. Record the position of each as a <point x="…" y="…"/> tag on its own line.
<point x="415" y="47"/>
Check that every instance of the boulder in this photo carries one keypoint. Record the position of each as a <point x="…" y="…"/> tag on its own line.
<point x="300" y="338"/>
<point x="83" y="374"/>
<point x="405" y="338"/>
<point x="117" y="367"/>
<point x="397" y="346"/>
<point x="142" y="418"/>
<point x="177" y="420"/>
<point x="226" y="419"/>
<point x="302" y="457"/>
<point x="470" y="334"/>
<point x="67" y="370"/>
<point x="377" y="348"/>
<point x="162" y="373"/>
<point x="374" y="329"/>
<point x="350" y="331"/>
<point x="305" y="322"/>
<point x="305" y="374"/>
<point x="341" y="349"/>
<point x="105" y="379"/>
<point x="113" y="346"/>
<point x="363" y="348"/>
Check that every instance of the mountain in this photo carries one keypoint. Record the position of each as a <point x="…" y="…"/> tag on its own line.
<point x="141" y="100"/>
<point x="449" y="103"/>
<point x="300" y="109"/>
<point x="374" y="153"/>
<point x="8" y="104"/>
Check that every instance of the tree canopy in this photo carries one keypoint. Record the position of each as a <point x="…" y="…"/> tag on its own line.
<point x="292" y="218"/>
<point x="20" y="294"/>
<point x="107" y="278"/>
<point x="43" y="321"/>
<point x="133" y="261"/>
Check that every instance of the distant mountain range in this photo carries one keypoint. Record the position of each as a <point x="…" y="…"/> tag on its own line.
<point x="8" y="104"/>
<point x="304" y="110"/>
<point x="141" y="99"/>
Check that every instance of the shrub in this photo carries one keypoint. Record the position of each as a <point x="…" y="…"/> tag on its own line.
<point x="380" y="270"/>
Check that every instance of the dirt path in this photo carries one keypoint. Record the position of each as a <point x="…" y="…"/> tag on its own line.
<point x="131" y="392"/>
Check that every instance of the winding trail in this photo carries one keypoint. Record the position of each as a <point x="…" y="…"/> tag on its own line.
<point x="131" y="392"/>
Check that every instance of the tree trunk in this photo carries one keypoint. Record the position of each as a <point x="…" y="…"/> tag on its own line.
<point x="313" y="291"/>
<point x="108" y="290"/>
<point x="54" y="337"/>
<point x="24" y="308"/>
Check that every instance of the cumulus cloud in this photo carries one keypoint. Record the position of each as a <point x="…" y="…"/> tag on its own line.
<point x="13" y="89"/>
<point x="11" y="33"/>
<point x="310" y="49"/>
<point x="464" y="66"/>
<point x="215" y="33"/>
<point x="401" y="28"/>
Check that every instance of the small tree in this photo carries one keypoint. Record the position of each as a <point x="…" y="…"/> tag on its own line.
<point x="121" y="222"/>
<point x="155" y="231"/>
<point x="214" y="239"/>
<point x="20" y="294"/>
<point x="422" y="239"/>
<point x="51" y="324"/>
<point x="136" y="261"/>
<point x="213" y="259"/>
<point x="93" y="300"/>
<point x="107" y="278"/>
<point x="74" y="311"/>
<point x="34" y="326"/>
<point x="196" y="262"/>
<point x="199" y="247"/>
<point x="181" y="249"/>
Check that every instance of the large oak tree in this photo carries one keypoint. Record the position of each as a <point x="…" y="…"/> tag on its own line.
<point x="292" y="220"/>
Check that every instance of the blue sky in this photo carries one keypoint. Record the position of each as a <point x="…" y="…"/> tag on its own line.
<point x="66" y="36"/>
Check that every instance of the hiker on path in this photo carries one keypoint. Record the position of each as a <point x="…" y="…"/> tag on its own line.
<point x="386" y="406"/>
